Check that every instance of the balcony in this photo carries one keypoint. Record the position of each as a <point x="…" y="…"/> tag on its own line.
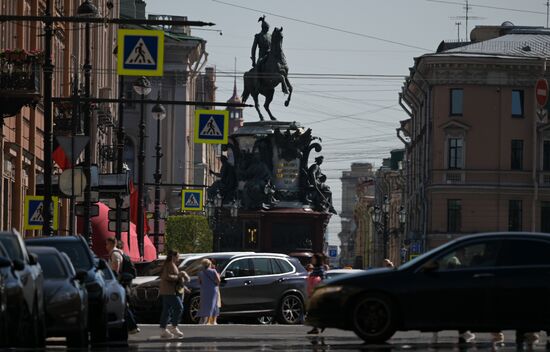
<point x="19" y="80"/>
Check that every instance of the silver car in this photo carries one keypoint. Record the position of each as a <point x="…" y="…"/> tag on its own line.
<point x="116" y="306"/>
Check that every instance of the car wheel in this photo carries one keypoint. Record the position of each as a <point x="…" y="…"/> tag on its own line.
<point x="373" y="318"/>
<point x="119" y="334"/>
<point x="98" y="328"/>
<point x="291" y="310"/>
<point x="79" y="339"/>
<point x="194" y="305"/>
<point x="265" y="320"/>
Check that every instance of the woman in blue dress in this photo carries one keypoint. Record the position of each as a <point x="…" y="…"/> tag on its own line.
<point x="209" y="280"/>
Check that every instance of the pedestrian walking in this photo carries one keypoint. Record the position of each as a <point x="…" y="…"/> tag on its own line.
<point x="315" y="277"/>
<point x="122" y="267"/>
<point x="209" y="280"/>
<point x="171" y="287"/>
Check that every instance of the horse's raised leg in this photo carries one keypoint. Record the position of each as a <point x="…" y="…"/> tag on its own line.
<point x="257" y="106"/>
<point x="284" y="86"/>
<point x="287" y="101"/>
<point x="268" y="100"/>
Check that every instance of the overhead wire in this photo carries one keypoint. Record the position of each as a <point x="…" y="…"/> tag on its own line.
<point x="322" y="26"/>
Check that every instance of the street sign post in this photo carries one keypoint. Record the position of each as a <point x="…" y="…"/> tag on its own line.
<point x="211" y="126"/>
<point x="332" y="251"/>
<point x="191" y="199"/>
<point x="140" y="52"/>
<point x="541" y="92"/>
<point x="34" y="209"/>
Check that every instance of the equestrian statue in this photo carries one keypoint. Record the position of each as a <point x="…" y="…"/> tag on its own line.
<point x="269" y="70"/>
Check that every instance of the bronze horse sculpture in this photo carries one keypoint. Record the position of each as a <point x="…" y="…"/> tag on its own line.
<point x="263" y="78"/>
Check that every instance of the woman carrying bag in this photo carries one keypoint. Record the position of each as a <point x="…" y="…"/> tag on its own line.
<point x="171" y="292"/>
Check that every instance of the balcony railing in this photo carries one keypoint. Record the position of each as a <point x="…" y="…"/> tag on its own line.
<point x="19" y="80"/>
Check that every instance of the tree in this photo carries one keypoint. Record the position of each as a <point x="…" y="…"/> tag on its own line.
<point x="188" y="234"/>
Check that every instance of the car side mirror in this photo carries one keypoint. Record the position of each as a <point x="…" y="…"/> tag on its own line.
<point x="430" y="266"/>
<point x="228" y="274"/>
<point x="4" y="262"/>
<point x="33" y="259"/>
<point x="18" y="265"/>
<point x="81" y="276"/>
<point x="101" y="265"/>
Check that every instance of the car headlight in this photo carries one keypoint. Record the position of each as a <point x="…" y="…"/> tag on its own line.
<point x="114" y="296"/>
<point x="327" y="290"/>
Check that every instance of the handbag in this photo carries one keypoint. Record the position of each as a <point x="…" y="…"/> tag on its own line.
<point x="180" y="286"/>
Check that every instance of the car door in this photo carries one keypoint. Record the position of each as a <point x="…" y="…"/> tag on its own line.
<point x="522" y="293"/>
<point x="265" y="284"/>
<point x="456" y="294"/>
<point x="236" y="291"/>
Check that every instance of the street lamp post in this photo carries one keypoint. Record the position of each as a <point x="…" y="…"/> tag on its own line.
<point x="142" y="86"/>
<point x="159" y="113"/>
<point x="380" y="219"/>
<point x="87" y="10"/>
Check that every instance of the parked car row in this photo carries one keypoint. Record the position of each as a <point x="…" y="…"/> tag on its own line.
<point x="55" y="286"/>
<point x="253" y="285"/>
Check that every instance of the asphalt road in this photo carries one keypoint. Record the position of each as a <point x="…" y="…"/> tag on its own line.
<point x="294" y="338"/>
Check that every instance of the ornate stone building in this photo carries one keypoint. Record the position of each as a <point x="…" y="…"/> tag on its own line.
<point x="21" y="159"/>
<point x="478" y="158"/>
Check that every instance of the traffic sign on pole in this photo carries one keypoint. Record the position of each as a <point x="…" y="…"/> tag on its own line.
<point x="541" y="92"/>
<point x="191" y="199"/>
<point x="211" y="126"/>
<point x="140" y="52"/>
<point x="34" y="208"/>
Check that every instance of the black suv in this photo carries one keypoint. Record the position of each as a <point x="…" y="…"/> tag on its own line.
<point x="82" y="259"/>
<point x="24" y="294"/>
<point x="252" y="285"/>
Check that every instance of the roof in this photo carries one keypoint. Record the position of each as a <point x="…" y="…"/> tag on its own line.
<point x="521" y="43"/>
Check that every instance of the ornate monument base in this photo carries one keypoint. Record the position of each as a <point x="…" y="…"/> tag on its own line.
<point x="283" y="205"/>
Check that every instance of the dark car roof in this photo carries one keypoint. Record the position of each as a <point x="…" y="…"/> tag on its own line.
<point x="44" y="250"/>
<point x="45" y="239"/>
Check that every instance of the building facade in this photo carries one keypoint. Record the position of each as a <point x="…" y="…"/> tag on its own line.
<point x="478" y="157"/>
<point x="22" y="135"/>
<point x="348" y="234"/>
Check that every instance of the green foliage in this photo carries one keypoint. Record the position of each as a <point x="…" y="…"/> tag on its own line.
<point x="188" y="234"/>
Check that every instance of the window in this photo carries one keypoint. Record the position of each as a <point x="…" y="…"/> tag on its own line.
<point x="475" y="255"/>
<point x="546" y="156"/>
<point x="515" y="215"/>
<point x="516" y="162"/>
<point x="517" y="103"/>
<point x="262" y="266"/>
<point x="241" y="267"/>
<point x="281" y="266"/>
<point x="524" y="252"/>
<point x="457" y="100"/>
<point x="454" y="215"/>
<point x="545" y="217"/>
<point x="455" y="153"/>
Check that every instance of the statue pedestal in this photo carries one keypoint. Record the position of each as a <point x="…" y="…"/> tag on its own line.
<point x="277" y="230"/>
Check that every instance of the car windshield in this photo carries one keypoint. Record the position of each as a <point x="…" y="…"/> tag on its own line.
<point x="421" y="257"/>
<point x="192" y="267"/>
<point x="12" y="247"/>
<point x="108" y="274"/>
<point x="52" y="266"/>
<point x="78" y="254"/>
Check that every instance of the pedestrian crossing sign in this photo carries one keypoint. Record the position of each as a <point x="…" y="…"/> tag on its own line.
<point x="34" y="206"/>
<point x="140" y="52"/>
<point x="211" y="126"/>
<point x="191" y="199"/>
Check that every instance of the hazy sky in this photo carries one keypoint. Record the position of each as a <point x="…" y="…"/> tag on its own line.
<point x="336" y="52"/>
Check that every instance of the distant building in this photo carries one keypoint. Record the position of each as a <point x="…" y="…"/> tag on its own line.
<point x="477" y="155"/>
<point x="350" y="180"/>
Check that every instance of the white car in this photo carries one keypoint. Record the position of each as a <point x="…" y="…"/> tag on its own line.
<point x="116" y="306"/>
<point x="331" y="274"/>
